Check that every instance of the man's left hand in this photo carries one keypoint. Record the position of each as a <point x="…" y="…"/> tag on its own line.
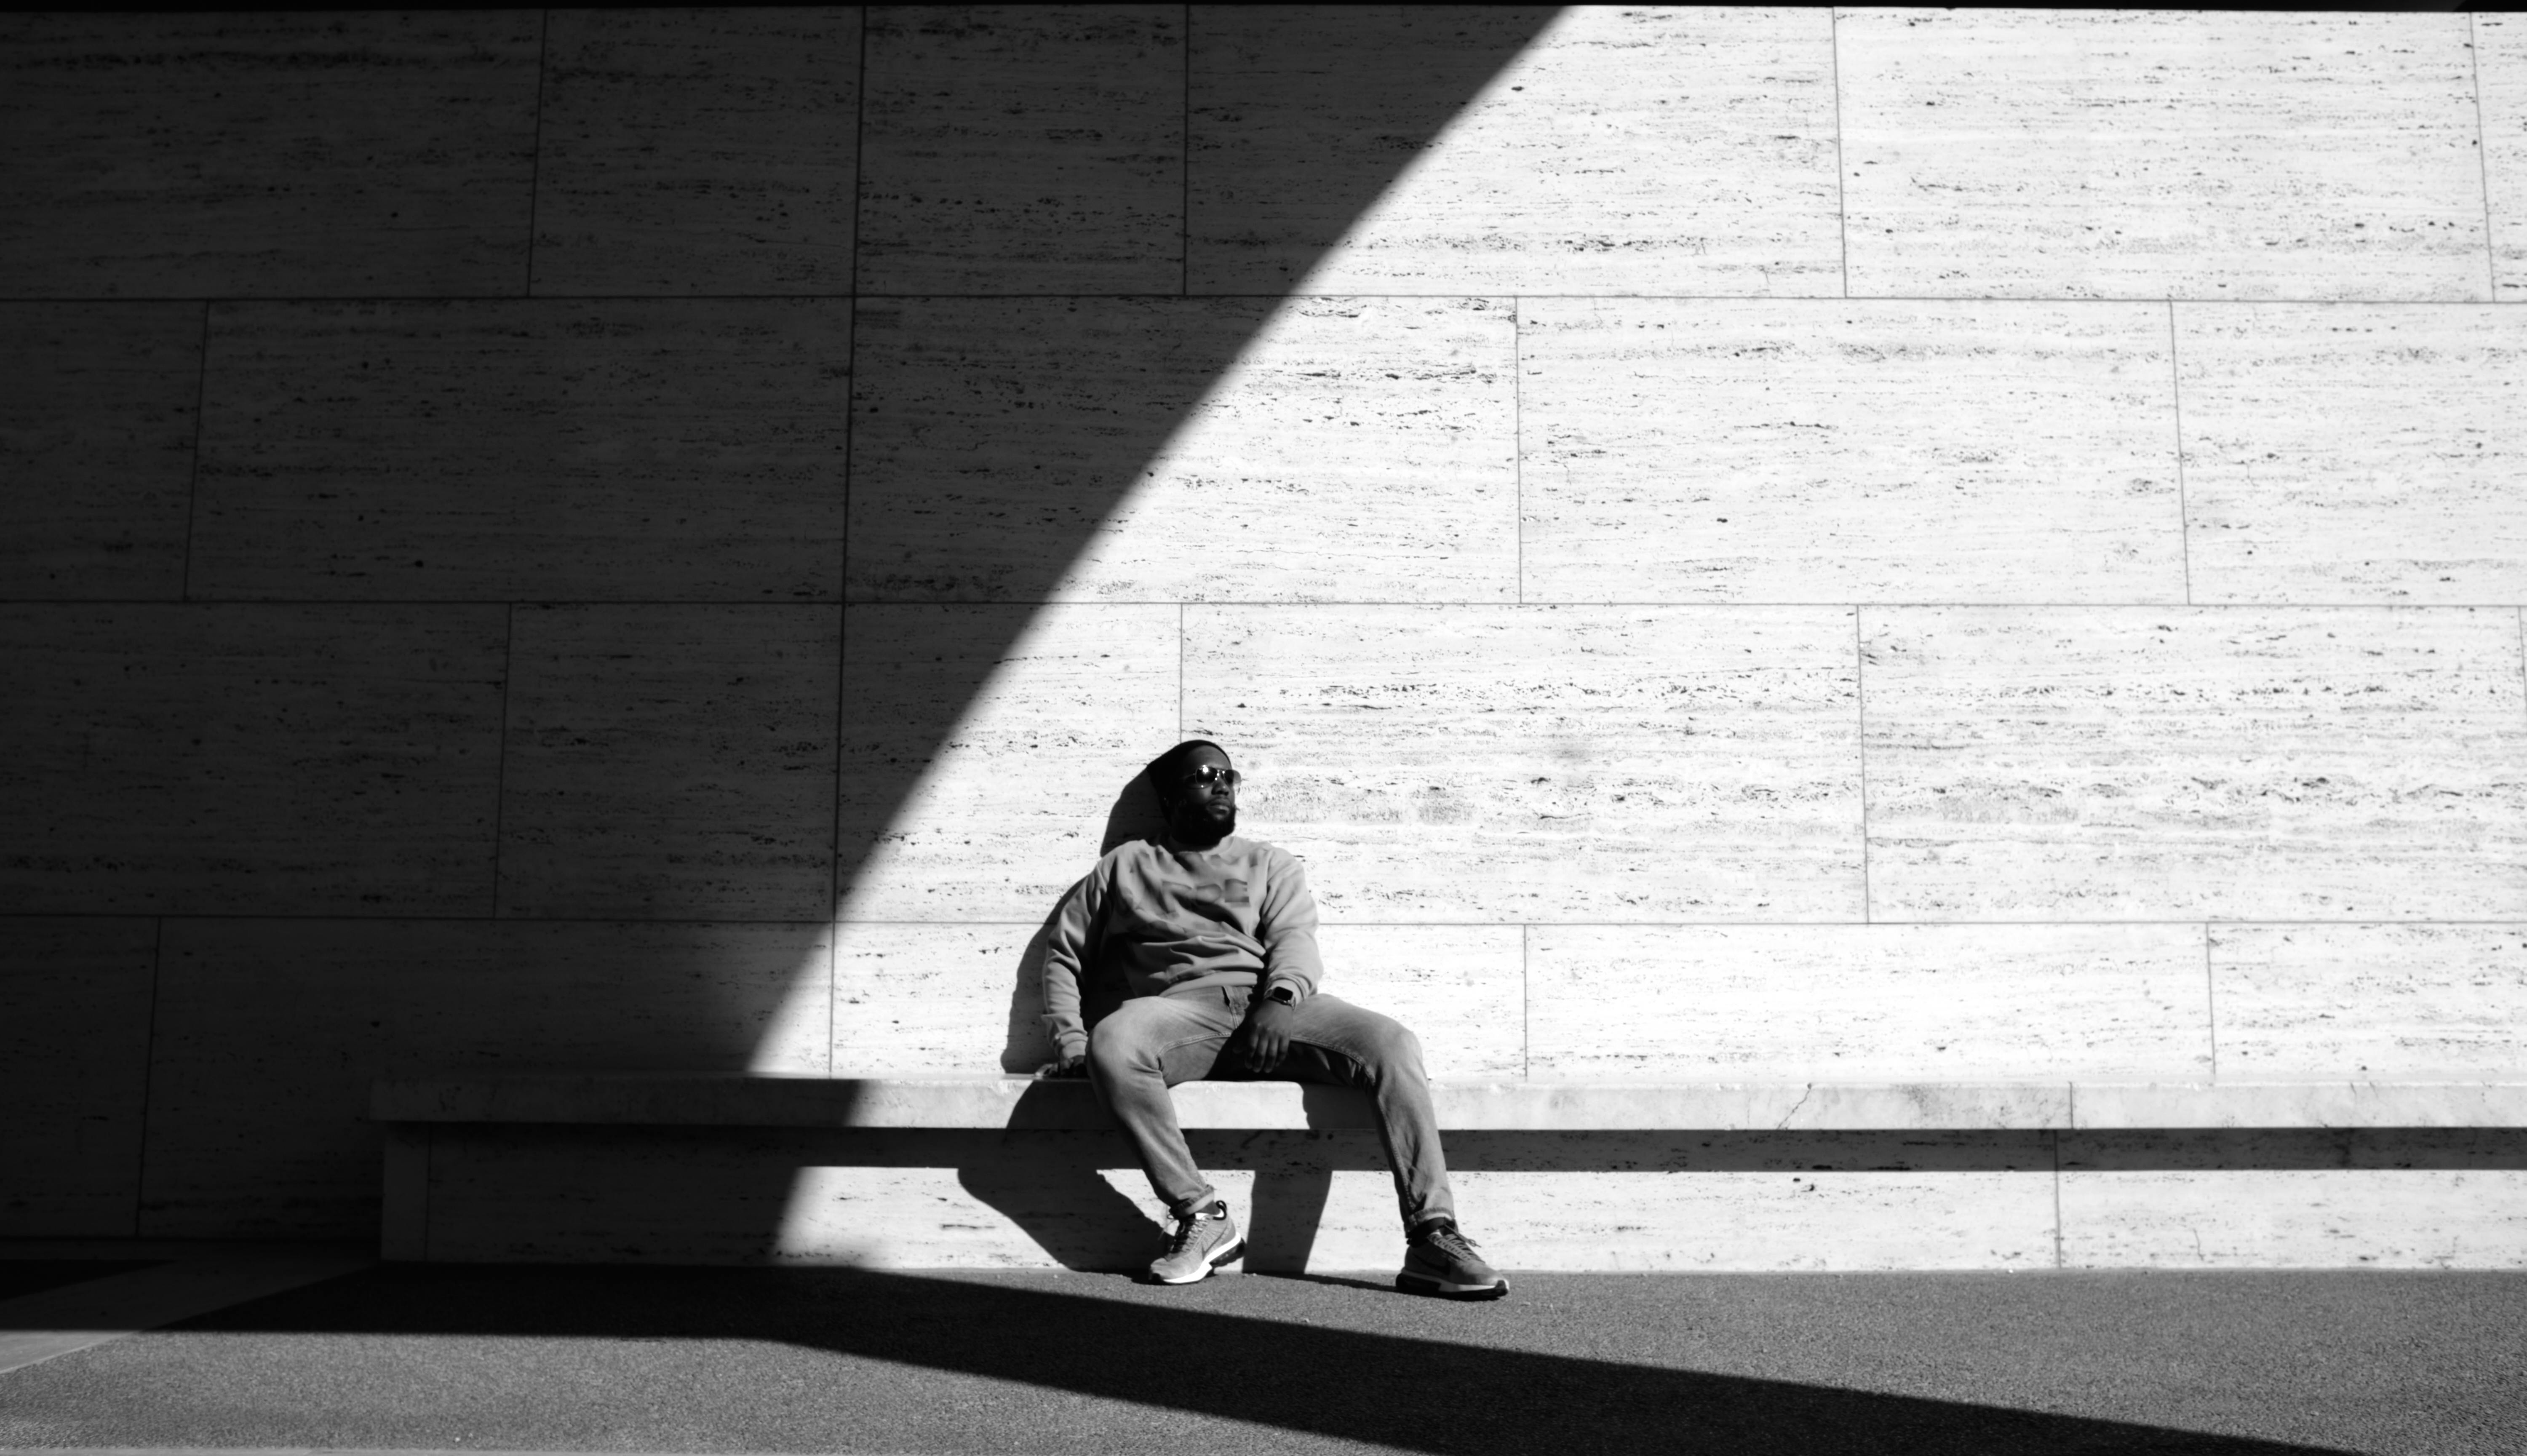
<point x="1267" y="1035"/>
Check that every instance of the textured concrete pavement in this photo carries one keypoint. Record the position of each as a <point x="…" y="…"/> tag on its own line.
<point x="693" y="1359"/>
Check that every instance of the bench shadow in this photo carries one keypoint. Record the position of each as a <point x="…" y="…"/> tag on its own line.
<point x="1058" y="1192"/>
<point x="1055" y="1187"/>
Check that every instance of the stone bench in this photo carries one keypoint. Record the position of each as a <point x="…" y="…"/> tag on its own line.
<point x="948" y="1170"/>
<point x="1005" y="1102"/>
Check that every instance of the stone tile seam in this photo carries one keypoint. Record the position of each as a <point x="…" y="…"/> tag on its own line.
<point x="1184" y="157"/>
<point x="1536" y="607"/>
<point x="2210" y="1002"/>
<point x="2053" y="1138"/>
<point x="859" y="151"/>
<point x="478" y="602"/>
<point x="2483" y="159"/>
<point x="1841" y="204"/>
<point x="501" y="752"/>
<point x="315" y="917"/>
<point x="843" y="578"/>
<point x="193" y="467"/>
<point x="1518" y="436"/>
<point x="1265" y="604"/>
<point x="2050" y="300"/>
<point x="1860" y="703"/>
<point x="1036" y="922"/>
<point x="148" y="1065"/>
<point x="2176" y="408"/>
<point x="2047" y="300"/>
<point x="430" y="1146"/>
<point x="1532" y="925"/>
<point x="536" y="159"/>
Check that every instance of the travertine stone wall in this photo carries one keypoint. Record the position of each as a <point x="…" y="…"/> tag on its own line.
<point x="1749" y="545"/>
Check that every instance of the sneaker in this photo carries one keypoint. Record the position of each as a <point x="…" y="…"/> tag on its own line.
<point x="1205" y="1239"/>
<point x="1440" y="1260"/>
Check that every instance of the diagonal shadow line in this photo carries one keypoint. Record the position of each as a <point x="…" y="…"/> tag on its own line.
<point x="986" y="457"/>
<point x="992" y="438"/>
<point x="1443" y="1396"/>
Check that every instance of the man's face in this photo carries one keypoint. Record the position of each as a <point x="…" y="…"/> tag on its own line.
<point x="1202" y="803"/>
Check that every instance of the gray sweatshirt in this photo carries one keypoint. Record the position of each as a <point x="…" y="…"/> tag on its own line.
<point x="1172" y="917"/>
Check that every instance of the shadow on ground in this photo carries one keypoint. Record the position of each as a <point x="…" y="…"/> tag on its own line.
<point x="689" y="1358"/>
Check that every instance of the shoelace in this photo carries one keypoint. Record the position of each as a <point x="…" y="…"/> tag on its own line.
<point x="1186" y="1227"/>
<point x="1446" y="1238"/>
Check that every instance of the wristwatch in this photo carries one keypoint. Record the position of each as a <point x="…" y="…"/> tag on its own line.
<point x="1282" y="994"/>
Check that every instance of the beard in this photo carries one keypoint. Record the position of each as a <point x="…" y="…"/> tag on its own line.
<point x="1203" y="820"/>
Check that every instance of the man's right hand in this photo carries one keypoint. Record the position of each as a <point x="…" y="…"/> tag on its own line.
<point x="1063" y="1068"/>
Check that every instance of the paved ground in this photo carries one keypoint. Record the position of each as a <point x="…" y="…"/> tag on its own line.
<point x="696" y="1360"/>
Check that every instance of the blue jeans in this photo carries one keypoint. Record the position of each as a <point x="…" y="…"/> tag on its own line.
<point x="1150" y="1043"/>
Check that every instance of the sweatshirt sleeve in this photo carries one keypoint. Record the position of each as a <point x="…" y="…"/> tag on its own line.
<point x="1069" y="946"/>
<point x="1287" y="926"/>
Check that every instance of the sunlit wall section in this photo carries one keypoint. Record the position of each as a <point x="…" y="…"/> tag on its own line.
<point x="1784" y="546"/>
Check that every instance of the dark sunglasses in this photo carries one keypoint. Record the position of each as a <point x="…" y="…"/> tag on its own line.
<point x="1211" y="777"/>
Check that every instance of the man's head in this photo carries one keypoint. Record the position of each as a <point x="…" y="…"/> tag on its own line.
<point x="1197" y="791"/>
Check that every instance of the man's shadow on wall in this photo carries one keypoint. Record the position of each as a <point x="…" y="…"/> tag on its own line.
<point x="1052" y="1184"/>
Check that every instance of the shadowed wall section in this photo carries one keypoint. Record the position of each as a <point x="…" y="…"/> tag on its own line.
<point x="432" y="631"/>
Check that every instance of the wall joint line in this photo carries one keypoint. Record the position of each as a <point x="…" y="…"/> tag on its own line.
<point x="1518" y="436"/>
<point x="1841" y="206"/>
<point x="500" y="755"/>
<point x="194" y="476"/>
<point x="1184" y="167"/>
<point x="2210" y="1003"/>
<point x="1526" y="1007"/>
<point x="536" y="161"/>
<point x="2057" y="1188"/>
<point x="148" y="1064"/>
<point x="2176" y="408"/>
<point x="859" y="156"/>
<point x="1860" y="712"/>
<point x="2483" y="159"/>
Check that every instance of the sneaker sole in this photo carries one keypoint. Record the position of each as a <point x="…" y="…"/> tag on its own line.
<point x="1412" y="1283"/>
<point x="1229" y="1255"/>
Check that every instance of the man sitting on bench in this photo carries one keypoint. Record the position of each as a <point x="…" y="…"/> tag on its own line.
<point x="1216" y="937"/>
